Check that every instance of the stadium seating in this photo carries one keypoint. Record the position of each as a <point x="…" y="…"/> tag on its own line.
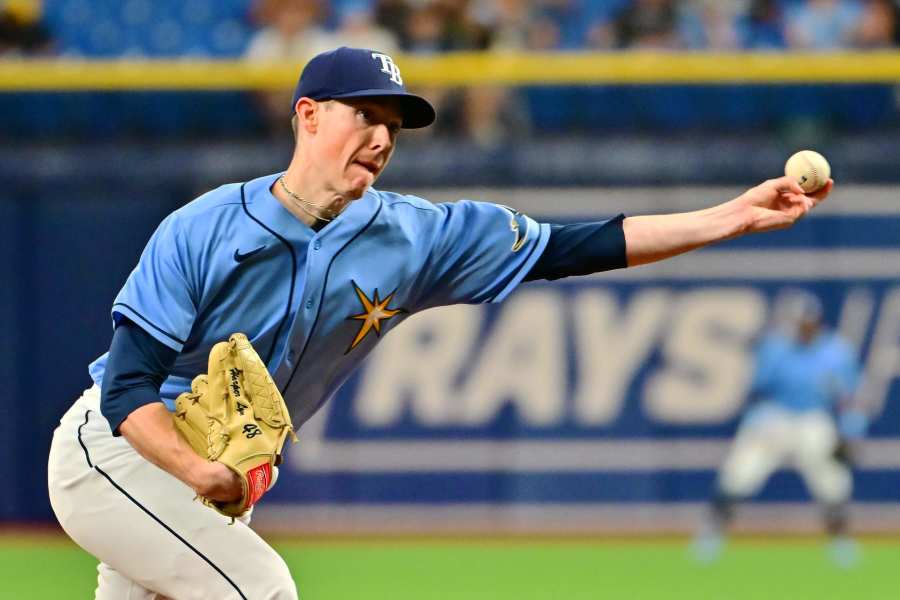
<point x="129" y="29"/>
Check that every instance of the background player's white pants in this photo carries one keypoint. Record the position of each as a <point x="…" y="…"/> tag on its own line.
<point x="144" y="525"/>
<point x="771" y="437"/>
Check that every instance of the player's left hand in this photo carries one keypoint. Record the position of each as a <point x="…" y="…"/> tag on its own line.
<point x="220" y="484"/>
<point x="235" y="416"/>
<point x="778" y="203"/>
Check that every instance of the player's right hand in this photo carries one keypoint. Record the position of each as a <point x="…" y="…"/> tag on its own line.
<point x="778" y="203"/>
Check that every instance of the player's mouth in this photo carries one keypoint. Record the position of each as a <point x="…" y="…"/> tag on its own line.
<point x="369" y="165"/>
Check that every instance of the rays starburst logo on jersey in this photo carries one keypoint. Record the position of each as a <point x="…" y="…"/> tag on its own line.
<point x="374" y="312"/>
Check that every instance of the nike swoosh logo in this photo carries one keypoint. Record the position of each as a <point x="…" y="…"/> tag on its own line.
<point x="238" y="257"/>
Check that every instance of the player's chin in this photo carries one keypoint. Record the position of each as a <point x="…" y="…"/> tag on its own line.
<point x="358" y="185"/>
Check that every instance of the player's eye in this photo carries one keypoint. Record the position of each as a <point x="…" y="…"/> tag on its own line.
<point x="364" y="114"/>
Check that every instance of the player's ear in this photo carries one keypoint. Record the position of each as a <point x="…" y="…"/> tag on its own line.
<point x="307" y="112"/>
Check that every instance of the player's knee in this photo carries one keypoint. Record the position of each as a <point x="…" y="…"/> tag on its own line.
<point x="287" y="591"/>
<point x="280" y="584"/>
<point x="829" y="485"/>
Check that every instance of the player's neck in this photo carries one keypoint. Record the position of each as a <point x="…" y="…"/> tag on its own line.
<point x="310" y="205"/>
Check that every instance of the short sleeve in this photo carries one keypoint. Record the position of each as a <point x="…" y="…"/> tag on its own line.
<point x="158" y="295"/>
<point x="479" y="252"/>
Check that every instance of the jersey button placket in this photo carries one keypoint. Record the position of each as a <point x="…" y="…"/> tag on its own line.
<point x="317" y="244"/>
<point x="317" y="264"/>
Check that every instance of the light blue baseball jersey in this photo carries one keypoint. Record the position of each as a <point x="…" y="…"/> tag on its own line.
<point x="314" y="304"/>
<point x="803" y="377"/>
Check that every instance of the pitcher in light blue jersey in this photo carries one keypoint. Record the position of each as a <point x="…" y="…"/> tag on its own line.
<point x="805" y="416"/>
<point x="317" y="298"/>
<point x="314" y="265"/>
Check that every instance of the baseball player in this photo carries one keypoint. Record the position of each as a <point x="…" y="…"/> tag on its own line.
<point x="806" y="417"/>
<point x="314" y="266"/>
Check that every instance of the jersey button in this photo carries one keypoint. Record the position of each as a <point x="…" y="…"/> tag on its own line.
<point x="309" y="303"/>
<point x="317" y="245"/>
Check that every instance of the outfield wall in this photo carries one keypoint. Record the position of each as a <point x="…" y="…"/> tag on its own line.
<point x="606" y="403"/>
<point x="602" y="403"/>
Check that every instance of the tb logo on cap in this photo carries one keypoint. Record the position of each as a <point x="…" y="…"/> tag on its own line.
<point x="388" y="66"/>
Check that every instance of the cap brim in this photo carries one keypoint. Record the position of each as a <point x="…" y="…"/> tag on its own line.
<point x="417" y="111"/>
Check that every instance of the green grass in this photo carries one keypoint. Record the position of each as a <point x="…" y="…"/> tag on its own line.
<point x="41" y="568"/>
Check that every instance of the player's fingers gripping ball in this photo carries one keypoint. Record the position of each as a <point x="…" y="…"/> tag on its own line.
<point x="809" y="168"/>
<point x="235" y="415"/>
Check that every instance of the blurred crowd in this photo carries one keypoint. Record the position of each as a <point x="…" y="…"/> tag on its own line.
<point x="304" y="27"/>
<point x="294" y="30"/>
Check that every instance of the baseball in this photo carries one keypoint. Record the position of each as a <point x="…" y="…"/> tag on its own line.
<point x="809" y="168"/>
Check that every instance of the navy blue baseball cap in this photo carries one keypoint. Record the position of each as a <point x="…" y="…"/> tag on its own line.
<point x="360" y="73"/>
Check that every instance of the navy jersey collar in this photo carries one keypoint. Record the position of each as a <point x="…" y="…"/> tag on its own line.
<point x="265" y="207"/>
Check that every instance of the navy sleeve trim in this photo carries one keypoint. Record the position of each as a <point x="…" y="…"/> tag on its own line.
<point x="582" y="249"/>
<point x="150" y="323"/>
<point x="136" y="367"/>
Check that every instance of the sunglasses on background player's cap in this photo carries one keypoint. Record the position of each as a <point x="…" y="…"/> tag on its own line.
<point x="359" y="73"/>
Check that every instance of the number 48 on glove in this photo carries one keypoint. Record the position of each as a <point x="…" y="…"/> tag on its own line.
<point x="235" y="415"/>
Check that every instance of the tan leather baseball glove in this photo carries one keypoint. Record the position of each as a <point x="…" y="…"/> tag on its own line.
<point x="235" y="415"/>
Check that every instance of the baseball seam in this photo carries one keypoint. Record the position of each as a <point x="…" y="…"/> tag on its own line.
<point x="816" y="180"/>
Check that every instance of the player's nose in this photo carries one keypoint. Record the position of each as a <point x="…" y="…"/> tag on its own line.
<point x="381" y="137"/>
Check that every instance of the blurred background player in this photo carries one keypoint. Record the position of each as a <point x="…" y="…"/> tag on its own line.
<point x="805" y="417"/>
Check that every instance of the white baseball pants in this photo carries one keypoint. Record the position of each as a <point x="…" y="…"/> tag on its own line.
<point x="772" y="437"/>
<point x="152" y="538"/>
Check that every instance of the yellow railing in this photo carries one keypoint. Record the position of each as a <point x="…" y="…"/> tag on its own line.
<point x="467" y="69"/>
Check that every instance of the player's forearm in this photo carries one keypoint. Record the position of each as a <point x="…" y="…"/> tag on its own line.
<point x="581" y="249"/>
<point x="657" y="237"/>
<point x="149" y="429"/>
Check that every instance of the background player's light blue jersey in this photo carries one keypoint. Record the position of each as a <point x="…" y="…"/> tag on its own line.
<point x="803" y="377"/>
<point x="314" y="303"/>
